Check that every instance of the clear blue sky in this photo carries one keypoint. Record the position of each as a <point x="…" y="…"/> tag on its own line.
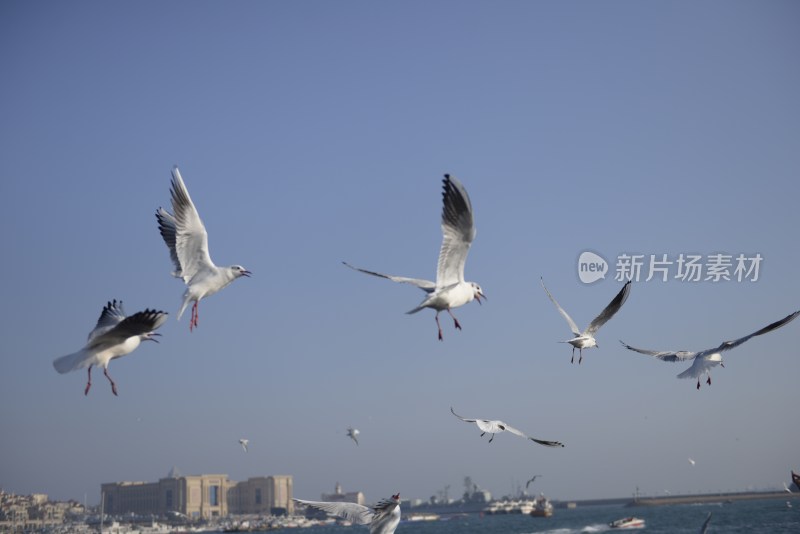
<point x="314" y="132"/>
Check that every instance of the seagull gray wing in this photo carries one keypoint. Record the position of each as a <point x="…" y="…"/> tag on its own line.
<point x="358" y="514"/>
<point x="462" y="418"/>
<point x="667" y="356"/>
<point x="384" y="507"/>
<point x="135" y="325"/>
<point x="458" y="231"/>
<point x="563" y="313"/>
<point x="728" y="345"/>
<point x="425" y="285"/>
<point x="168" y="229"/>
<point x="111" y="315"/>
<point x="506" y="426"/>
<point x="546" y="443"/>
<point x="612" y="308"/>
<point x="528" y="483"/>
<point x="191" y="238"/>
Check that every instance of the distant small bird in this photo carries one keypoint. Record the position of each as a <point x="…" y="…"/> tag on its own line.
<point x="353" y="433"/>
<point x="495" y="426"/>
<point x="585" y="339"/>
<point x="243" y="443"/>
<point x="704" y="360"/>
<point x="450" y="290"/>
<point x="382" y="518"/>
<point x="704" y="528"/>
<point x="691" y="461"/>
<point x="114" y="336"/>
<point x="187" y="241"/>
<point x="528" y="483"/>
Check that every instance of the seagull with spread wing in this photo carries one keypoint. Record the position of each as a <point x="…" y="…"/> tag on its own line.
<point x="382" y="518"/>
<point x="244" y="443"/>
<point x="450" y="289"/>
<point x="114" y="336"/>
<point x="705" y="360"/>
<point x="494" y="426"/>
<point x="585" y="339"/>
<point x="353" y="433"/>
<point x="528" y="483"/>
<point x="186" y="238"/>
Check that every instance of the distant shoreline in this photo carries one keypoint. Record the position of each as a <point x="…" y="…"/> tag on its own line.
<point x="712" y="498"/>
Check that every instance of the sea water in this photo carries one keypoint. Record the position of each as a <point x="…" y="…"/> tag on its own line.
<point x="745" y="517"/>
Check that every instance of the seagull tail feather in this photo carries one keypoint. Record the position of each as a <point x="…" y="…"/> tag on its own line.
<point x="71" y="362"/>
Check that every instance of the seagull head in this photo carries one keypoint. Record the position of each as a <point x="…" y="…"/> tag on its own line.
<point x="477" y="292"/>
<point x="238" y="270"/>
<point x="715" y="359"/>
<point x="150" y="336"/>
<point x="396" y="497"/>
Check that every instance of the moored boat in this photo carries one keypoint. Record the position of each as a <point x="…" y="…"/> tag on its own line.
<point x="542" y="507"/>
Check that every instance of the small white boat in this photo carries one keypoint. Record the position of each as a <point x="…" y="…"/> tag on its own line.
<point x="627" y="523"/>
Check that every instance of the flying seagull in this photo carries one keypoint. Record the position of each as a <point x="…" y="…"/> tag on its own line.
<point x="692" y="461"/>
<point x="450" y="290"/>
<point x="114" y="336"/>
<point x="382" y="518"/>
<point x="243" y="443"/>
<point x="493" y="427"/>
<point x="353" y="433"/>
<point x="187" y="241"/>
<point x="528" y="483"/>
<point x="585" y="339"/>
<point x="704" y="360"/>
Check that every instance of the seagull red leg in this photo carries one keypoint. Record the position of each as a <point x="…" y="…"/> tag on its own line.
<point x="439" y="326"/>
<point x="113" y="385"/>
<point x="193" y="321"/>
<point x="89" y="383"/>
<point x="698" y="383"/>
<point x="458" y="326"/>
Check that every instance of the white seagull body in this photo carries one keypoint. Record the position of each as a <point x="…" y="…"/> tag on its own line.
<point x="353" y="433"/>
<point x="382" y="518"/>
<point x="705" y="360"/>
<point x="450" y="289"/>
<point x="495" y="426"/>
<point x="186" y="238"/>
<point x="585" y="339"/>
<point x="243" y="443"/>
<point x="114" y="336"/>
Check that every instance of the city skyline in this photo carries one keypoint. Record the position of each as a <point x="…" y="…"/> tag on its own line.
<point x="315" y="134"/>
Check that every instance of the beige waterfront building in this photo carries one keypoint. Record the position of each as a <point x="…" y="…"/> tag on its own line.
<point x="200" y="496"/>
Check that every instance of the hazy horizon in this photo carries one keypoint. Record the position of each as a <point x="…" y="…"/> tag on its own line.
<point x="315" y="133"/>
